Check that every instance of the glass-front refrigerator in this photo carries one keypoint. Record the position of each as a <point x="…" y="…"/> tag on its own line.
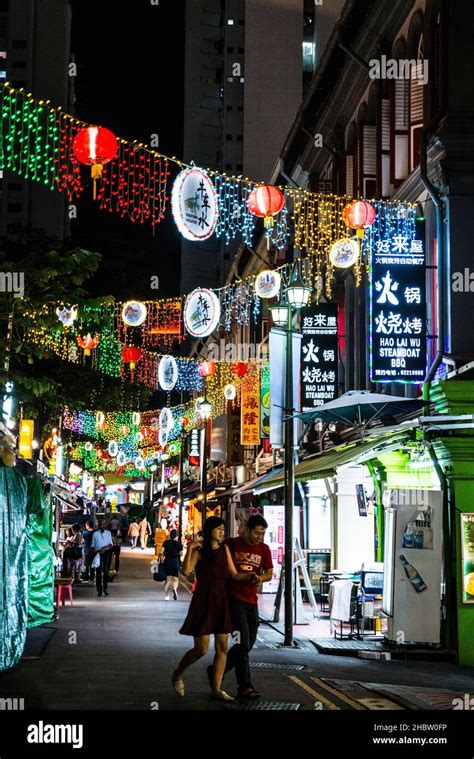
<point x="319" y="561"/>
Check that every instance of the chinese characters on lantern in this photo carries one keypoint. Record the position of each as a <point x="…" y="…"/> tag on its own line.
<point x="319" y="355"/>
<point x="398" y="311"/>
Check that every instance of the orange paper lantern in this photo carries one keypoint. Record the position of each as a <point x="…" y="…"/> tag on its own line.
<point x="266" y="201"/>
<point x="88" y="343"/>
<point x="95" y="146"/>
<point x="358" y="215"/>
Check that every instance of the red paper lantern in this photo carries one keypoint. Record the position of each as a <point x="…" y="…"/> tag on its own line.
<point x="88" y="343"/>
<point x="266" y="201"/>
<point x="358" y="215"/>
<point x="130" y="355"/>
<point x="95" y="146"/>
<point x="207" y="368"/>
<point x="240" y="369"/>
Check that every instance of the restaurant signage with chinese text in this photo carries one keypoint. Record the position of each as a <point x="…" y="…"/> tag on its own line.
<point x="319" y="355"/>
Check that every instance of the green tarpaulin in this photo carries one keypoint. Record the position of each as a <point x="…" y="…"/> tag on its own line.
<point x="40" y="556"/>
<point x="13" y="566"/>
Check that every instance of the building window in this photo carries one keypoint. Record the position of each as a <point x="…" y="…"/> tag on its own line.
<point x="228" y="138"/>
<point x="230" y="49"/>
<point x="15" y="186"/>
<point x="19" y="44"/>
<point x="241" y="50"/>
<point x="228" y="166"/>
<point x="230" y="78"/>
<point x="241" y="22"/>
<point x="3" y="74"/>
<point x="230" y="22"/>
<point x="240" y="108"/>
<point x="229" y="108"/>
<point x="18" y="64"/>
<point x="14" y="207"/>
<point x="240" y="167"/>
<point x="3" y="54"/>
<point x="242" y="80"/>
<point x="18" y="84"/>
<point x="240" y="138"/>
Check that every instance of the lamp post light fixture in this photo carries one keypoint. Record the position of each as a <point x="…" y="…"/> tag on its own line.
<point x="297" y="296"/>
<point x="205" y="410"/>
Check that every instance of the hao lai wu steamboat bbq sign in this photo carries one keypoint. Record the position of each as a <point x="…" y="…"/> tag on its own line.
<point x="319" y="355"/>
<point x="398" y="311"/>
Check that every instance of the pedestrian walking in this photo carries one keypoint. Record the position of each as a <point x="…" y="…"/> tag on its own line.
<point x="102" y="546"/>
<point x="171" y="551"/>
<point x="209" y="609"/>
<point x="124" y="528"/>
<point x="114" y="526"/>
<point x="87" y="534"/>
<point x="250" y="555"/>
<point x="145" y="531"/>
<point x="133" y="533"/>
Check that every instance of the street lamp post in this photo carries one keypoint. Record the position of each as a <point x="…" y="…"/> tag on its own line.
<point x="205" y="411"/>
<point x="297" y="295"/>
<point x="180" y="483"/>
<point x="153" y="469"/>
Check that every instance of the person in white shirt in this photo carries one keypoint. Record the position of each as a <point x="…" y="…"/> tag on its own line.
<point x="102" y="544"/>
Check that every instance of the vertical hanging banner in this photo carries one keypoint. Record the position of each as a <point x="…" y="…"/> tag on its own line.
<point x="235" y="451"/>
<point x="265" y="401"/>
<point x="398" y="311"/>
<point x="319" y="355"/>
<point x="194" y="448"/>
<point x="250" y="394"/>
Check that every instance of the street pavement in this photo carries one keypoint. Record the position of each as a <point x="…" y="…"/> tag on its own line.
<point x="118" y="652"/>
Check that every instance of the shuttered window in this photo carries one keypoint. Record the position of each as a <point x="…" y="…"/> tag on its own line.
<point x="369" y="160"/>
<point x="416" y="107"/>
<point x="349" y="175"/>
<point x="399" y="131"/>
<point x="385" y="147"/>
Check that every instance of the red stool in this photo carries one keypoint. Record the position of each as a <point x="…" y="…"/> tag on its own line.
<point x="63" y="584"/>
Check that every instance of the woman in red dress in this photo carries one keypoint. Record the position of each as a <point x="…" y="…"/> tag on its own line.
<point x="209" y="609"/>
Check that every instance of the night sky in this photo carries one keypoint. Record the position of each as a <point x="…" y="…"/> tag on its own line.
<point x="130" y="62"/>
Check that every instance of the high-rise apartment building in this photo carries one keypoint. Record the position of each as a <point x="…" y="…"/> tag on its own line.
<point x="35" y="55"/>
<point x="244" y="76"/>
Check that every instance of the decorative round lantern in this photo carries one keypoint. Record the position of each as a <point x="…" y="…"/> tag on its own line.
<point x="267" y="284"/>
<point x="266" y="201"/>
<point x="202" y="312"/>
<point x="88" y="446"/>
<point x="139" y="463"/>
<point x="99" y="420"/>
<point x="122" y="459"/>
<point x="168" y="373"/>
<point x="207" y="369"/>
<point x="136" y="418"/>
<point x="230" y="392"/>
<point x="240" y="369"/>
<point x="344" y="253"/>
<point x="130" y="355"/>
<point x="134" y="313"/>
<point x="95" y="146"/>
<point x="113" y="448"/>
<point x="87" y="343"/>
<point x="358" y="215"/>
<point x="66" y="315"/>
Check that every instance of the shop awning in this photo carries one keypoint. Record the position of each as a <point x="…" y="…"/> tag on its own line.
<point x="325" y="464"/>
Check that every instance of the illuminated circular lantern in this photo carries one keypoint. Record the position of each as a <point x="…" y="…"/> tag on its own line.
<point x="166" y="419"/>
<point x="207" y="368"/>
<point x="358" y="215"/>
<point x="134" y="313"/>
<point x="99" y="420"/>
<point x="344" y="253"/>
<point x="121" y="459"/>
<point x="168" y="373"/>
<point x="202" y="312"/>
<point x="266" y="201"/>
<point x="88" y="446"/>
<point x="130" y="355"/>
<point x="113" y="448"/>
<point x="95" y="146"/>
<point x="87" y="343"/>
<point x="194" y="204"/>
<point x="136" y="418"/>
<point x="163" y="437"/>
<point x="139" y="463"/>
<point x="139" y="437"/>
<point x="240" y="369"/>
<point x="267" y="284"/>
<point x="67" y="316"/>
<point x="230" y="392"/>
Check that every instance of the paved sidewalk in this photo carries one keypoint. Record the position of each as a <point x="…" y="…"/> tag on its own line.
<point x="118" y="652"/>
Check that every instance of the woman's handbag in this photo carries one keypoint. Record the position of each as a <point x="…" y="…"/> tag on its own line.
<point x="160" y="574"/>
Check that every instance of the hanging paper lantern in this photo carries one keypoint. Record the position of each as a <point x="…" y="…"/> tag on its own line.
<point x="113" y="448"/>
<point x="267" y="284"/>
<point x="266" y="201"/>
<point x="230" y="392"/>
<point x="134" y="313"/>
<point x="194" y="204"/>
<point x="344" y="253"/>
<point x="240" y="369"/>
<point x="358" y="215"/>
<point x="207" y="368"/>
<point x="167" y="373"/>
<point x="87" y="343"/>
<point x="202" y="312"/>
<point x="130" y="355"/>
<point x="67" y="316"/>
<point x="95" y="146"/>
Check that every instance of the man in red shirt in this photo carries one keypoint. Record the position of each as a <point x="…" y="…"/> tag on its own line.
<point x="250" y="554"/>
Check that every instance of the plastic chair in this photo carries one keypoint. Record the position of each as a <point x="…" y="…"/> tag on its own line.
<point x="63" y="584"/>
